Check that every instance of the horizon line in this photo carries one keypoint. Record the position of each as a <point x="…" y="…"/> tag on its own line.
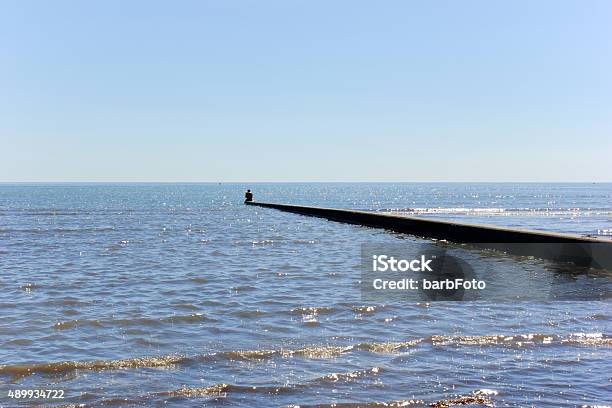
<point x="296" y="181"/>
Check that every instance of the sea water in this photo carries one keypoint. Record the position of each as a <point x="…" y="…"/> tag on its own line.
<point x="180" y="295"/>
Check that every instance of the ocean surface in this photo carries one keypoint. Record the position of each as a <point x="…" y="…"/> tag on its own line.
<point x="179" y="295"/>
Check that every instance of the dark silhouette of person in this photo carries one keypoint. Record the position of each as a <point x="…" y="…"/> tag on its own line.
<point x="248" y="196"/>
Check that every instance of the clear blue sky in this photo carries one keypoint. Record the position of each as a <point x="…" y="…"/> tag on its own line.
<point x="305" y="90"/>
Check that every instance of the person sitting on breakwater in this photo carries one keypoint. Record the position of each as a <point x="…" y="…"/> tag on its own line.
<point x="248" y="196"/>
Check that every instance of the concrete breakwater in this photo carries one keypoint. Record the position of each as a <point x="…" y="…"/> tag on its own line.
<point x="582" y="250"/>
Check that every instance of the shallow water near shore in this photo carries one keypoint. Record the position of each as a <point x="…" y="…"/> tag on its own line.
<point x="178" y="294"/>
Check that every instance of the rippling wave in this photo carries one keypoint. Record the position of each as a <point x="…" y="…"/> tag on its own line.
<point x="220" y="391"/>
<point x="143" y="321"/>
<point x="310" y="352"/>
<point x="479" y="397"/>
